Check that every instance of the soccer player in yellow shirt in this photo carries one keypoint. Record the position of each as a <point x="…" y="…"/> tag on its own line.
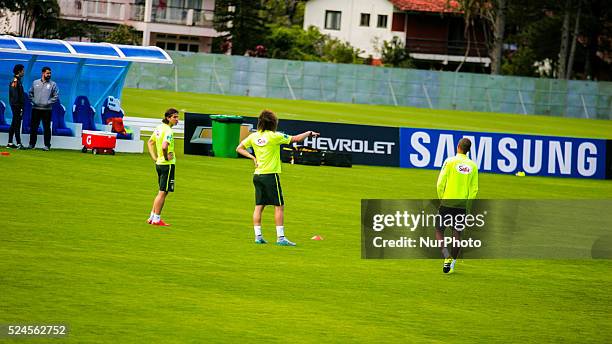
<point x="266" y="146"/>
<point x="161" y="149"/>
<point x="457" y="187"/>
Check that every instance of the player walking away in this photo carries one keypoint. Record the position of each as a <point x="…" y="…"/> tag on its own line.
<point x="457" y="186"/>
<point x="161" y="148"/>
<point x="266" y="146"/>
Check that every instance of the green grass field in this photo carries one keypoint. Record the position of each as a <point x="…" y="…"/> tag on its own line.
<point x="76" y="248"/>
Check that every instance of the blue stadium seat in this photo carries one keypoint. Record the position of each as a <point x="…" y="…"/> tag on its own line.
<point x="83" y="112"/>
<point x="58" y="112"/>
<point x="4" y="127"/>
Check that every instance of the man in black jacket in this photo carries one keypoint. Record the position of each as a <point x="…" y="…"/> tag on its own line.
<point x="16" y="100"/>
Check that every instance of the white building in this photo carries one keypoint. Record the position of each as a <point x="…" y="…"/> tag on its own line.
<point x="362" y="23"/>
<point x="432" y="31"/>
<point x="182" y="25"/>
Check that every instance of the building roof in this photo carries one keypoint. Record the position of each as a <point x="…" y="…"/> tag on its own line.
<point x="437" y="6"/>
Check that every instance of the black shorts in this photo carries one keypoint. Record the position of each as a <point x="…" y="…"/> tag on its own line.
<point x="165" y="176"/>
<point x="443" y="211"/>
<point x="268" y="190"/>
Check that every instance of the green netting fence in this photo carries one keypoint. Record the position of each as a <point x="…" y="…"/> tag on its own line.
<point x="348" y="83"/>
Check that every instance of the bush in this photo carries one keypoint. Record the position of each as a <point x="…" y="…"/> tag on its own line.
<point x="394" y="54"/>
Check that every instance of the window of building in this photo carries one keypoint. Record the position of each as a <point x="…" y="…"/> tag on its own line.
<point x="365" y="19"/>
<point x="180" y="43"/>
<point x="332" y="20"/>
<point x="382" y="21"/>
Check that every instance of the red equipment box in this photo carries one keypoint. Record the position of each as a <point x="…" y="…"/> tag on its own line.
<point x="100" y="142"/>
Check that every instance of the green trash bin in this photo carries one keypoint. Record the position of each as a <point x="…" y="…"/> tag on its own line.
<point x="225" y="135"/>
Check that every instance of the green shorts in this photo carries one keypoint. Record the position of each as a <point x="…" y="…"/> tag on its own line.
<point x="268" y="190"/>
<point x="165" y="177"/>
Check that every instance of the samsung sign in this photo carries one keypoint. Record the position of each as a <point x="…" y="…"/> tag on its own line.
<point x="428" y="148"/>
<point x="507" y="153"/>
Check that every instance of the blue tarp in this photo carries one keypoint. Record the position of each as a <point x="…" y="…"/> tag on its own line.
<point x="95" y="70"/>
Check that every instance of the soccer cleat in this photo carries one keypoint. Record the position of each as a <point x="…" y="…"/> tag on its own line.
<point x="149" y="221"/>
<point x="11" y="145"/>
<point x="452" y="266"/>
<point x="21" y="147"/>
<point x="261" y="241"/>
<point x="160" y="223"/>
<point x="284" y="242"/>
<point x="447" y="265"/>
<point x="46" y="148"/>
<point x="31" y="147"/>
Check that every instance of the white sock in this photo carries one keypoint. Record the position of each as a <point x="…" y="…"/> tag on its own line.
<point x="151" y="216"/>
<point x="453" y="263"/>
<point x="280" y="231"/>
<point x="156" y="218"/>
<point x="257" y="230"/>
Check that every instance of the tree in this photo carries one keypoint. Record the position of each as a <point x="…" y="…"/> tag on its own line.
<point x="564" y="41"/>
<point x="294" y="43"/>
<point x="31" y="12"/>
<point x="123" y="34"/>
<point x="337" y="51"/>
<point x="540" y="27"/>
<point x="595" y="38"/>
<point x="499" y="30"/>
<point x="492" y="14"/>
<point x="394" y="54"/>
<point x="521" y="62"/>
<point x="284" y="12"/>
<point x="41" y="19"/>
<point x="572" y="54"/>
<point x="241" y="22"/>
<point x="11" y="5"/>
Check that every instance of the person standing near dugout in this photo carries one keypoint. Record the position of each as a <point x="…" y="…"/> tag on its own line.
<point x="266" y="144"/>
<point x="43" y="94"/>
<point x="161" y="149"/>
<point x="16" y="101"/>
<point x="457" y="186"/>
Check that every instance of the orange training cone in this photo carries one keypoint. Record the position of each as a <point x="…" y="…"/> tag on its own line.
<point x="316" y="237"/>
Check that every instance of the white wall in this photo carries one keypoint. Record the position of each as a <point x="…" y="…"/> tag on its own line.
<point x="358" y="36"/>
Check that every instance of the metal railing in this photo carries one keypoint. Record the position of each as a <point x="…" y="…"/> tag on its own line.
<point x="94" y="9"/>
<point x="121" y="11"/>
<point x="175" y="15"/>
<point x="137" y="12"/>
<point x="445" y="47"/>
